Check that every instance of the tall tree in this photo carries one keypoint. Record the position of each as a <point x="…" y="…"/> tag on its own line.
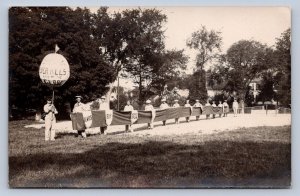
<point x="244" y="61"/>
<point x="282" y="69"/>
<point x="207" y="43"/>
<point x="131" y="41"/>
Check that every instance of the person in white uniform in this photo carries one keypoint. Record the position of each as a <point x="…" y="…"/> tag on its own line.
<point x="164" y="106"/>
<point x="50" y="120"/>
<point x="214" y="105"/>
<point x="176" y="105"/>
<point x="127" y="108"/>
<point x="235" y="106"/>
<point x="103" y="106"/>
<point x="149" y="107"/>
<point x="79" y="107"/>
<point x="187" y="104"/>
<point x="226" y="108"/>
<point x="198" y="104"/>
<point x="207" y="104"/>
<point x="222" y="108"/>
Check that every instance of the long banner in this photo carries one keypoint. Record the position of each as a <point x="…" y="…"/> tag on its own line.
<point x="103" y="118"/>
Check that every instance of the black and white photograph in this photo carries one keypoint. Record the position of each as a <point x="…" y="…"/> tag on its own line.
<point x="149" y="97"/>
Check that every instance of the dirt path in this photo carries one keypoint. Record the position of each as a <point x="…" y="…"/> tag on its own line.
<point x="202" y="126"/>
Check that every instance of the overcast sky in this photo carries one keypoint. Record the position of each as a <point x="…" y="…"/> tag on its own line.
<point x="263" y="24"/>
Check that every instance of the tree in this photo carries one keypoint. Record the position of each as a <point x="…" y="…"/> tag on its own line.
<point x="33" y="33"/>
<point x="208" y="45"/>
<point x="132" y="41"/>
<point x="244" y="61"/>
<point x="282" y="57"/>
<point x="197" y="86"/>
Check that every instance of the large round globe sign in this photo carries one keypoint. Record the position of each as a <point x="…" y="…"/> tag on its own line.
<point x="54" y="69"/>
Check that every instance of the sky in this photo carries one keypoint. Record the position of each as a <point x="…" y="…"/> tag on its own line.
<point x="263" y="24"/>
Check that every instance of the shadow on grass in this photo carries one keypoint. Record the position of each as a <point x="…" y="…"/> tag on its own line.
<point x="159" y="164"/>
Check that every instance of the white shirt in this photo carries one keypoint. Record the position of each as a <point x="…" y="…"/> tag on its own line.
<point x="104" y="106"/>
<point x="213" y="105"/>
<point x="187" y="105"/>
<point x="207" y="104"/>
<point x="50" y="110"/>
<point x="164" y="106"/>
<point x="235" y="104"/>
<point x="149" y="108"/>
<point x="176" y="105"/>
<point x="128" y="108"/>
<point x="79" y="107"/>
<point x="198" y="105"/>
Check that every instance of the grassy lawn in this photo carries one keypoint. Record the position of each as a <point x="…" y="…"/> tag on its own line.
<point x="251" y="157"/>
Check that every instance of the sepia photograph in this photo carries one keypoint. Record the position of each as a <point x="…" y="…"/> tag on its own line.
<point x="149" y="97"/>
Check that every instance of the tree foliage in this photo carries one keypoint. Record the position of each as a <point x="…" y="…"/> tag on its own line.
<point x="244" y="61"/>
<point x="33" y="34"/>
<point x="98" y="46"/>
<point x="206" y="43"/>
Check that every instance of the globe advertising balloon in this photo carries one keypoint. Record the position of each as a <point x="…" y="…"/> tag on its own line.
<point x="54" y="69"/>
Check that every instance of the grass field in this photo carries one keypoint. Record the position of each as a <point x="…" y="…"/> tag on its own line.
<point x="247" y="157"/>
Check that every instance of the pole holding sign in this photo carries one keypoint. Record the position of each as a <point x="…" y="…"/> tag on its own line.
<point x="54" y="70"/>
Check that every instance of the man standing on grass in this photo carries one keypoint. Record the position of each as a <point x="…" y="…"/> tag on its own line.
<point x="128" y="107"/>
<point x="50" y="120"/>
<point x="149" y="107"/>
<point x="187" y="104"/>
<point x="79" y="107"/>
<point x="176" y="105"/>
<point x="164" y="106"/>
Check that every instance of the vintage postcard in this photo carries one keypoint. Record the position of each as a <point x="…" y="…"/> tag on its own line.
<point x="149" y="97"/>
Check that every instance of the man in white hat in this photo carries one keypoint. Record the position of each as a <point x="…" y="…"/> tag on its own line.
<point x="164" y="106"/>
<point x="79" y="107"/>
<point x="197" y="104"/>
<point x="50" y="120"/>
<point x="187" y="104"/>
<point x="176" y="105"/>
<point x="149" y="107"/>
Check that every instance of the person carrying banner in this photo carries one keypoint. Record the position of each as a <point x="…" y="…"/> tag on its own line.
<point x="103" y="106"/>
<point x="50" y="120"/>
<point x="79" y="107"/>
<point x="176" y="105"/>
<point x="149" y="107"/>
<point x="226" y="108"/>
<point x="207" y="104"/>
<point x="128" y="107"/>
<point x="214" y="105"/>
<point x="235" y="107"/>
<point x="198" y="104"/>
<point x="164" y="106"/>
<point x="222" y="108"/>
<point x="187" y="104"/>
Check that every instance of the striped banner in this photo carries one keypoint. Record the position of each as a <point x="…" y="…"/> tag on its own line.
<point x="103" y="118"/>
